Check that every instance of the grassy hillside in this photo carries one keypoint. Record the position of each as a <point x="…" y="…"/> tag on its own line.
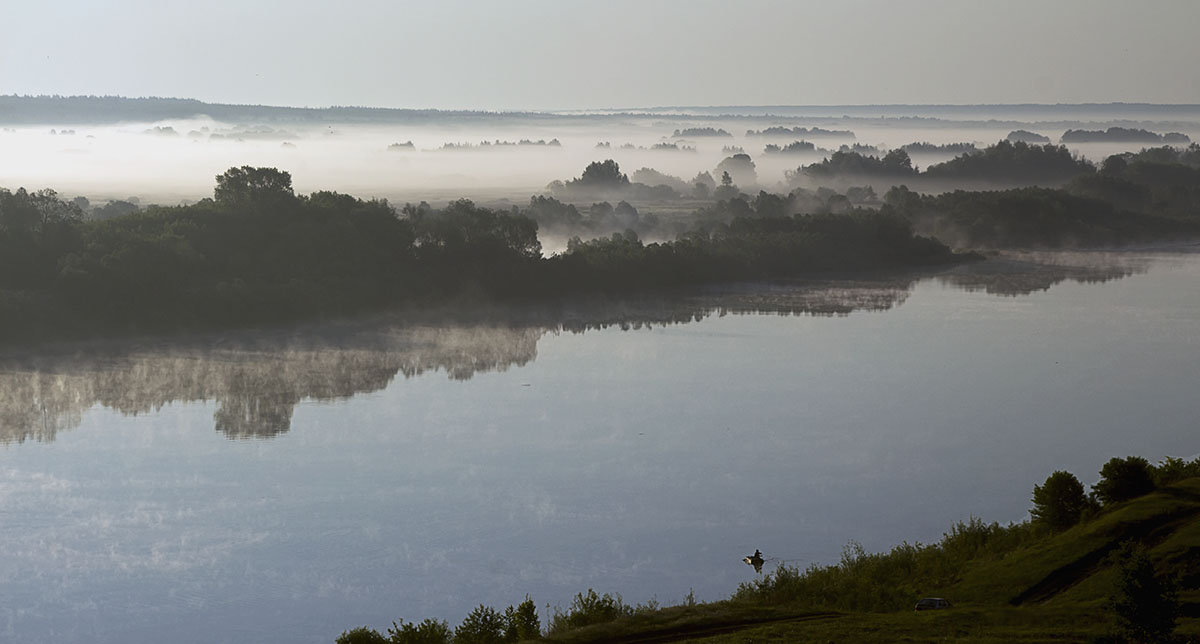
<point x="1007" y="584"/>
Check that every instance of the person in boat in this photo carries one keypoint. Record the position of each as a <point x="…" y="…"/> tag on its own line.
<point x="755" y="560"/>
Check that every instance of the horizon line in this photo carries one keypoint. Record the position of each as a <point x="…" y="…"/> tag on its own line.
<point x="626" y="109"/>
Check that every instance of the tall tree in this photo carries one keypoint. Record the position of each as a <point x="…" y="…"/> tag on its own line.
<point x="1059" y="501"/>
<point x="1122" y="479"/>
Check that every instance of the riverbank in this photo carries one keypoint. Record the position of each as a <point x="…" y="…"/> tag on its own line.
<point x="1022" y="582"/>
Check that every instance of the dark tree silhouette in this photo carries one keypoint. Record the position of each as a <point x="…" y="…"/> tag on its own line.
<point x="1146" y="605"/>
<point x="522" y="622"/>
<point x="1007" y="161"/>
<point x="484" y="625"/>
<point x="1025" y="136"/>
<point x="1059" y="501"/>
<point x="603" y="174"/>
<point x="253" y="187"/>
<point x="852" y="164"/>
<point x="429" y="631"/>
<point x="361" y="635"/>
<point x="1122" y="479"/>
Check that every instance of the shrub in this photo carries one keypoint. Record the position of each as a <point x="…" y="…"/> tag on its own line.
<point x="430" y="631"/>
<point x="361" y="635"/>
<point x="1172" y="470"/>
<point x="1146" y="606"/>
<point x="886" y="581"/>
<point x="589" y="608"/>
<point x="484" y="625"/>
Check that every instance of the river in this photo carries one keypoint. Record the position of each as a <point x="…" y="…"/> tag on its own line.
<point x="285" y="486"/>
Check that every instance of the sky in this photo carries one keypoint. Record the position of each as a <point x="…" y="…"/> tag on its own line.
<point x="544" y="54"/>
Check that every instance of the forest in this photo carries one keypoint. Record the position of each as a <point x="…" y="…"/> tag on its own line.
<point x="258" y="253"/>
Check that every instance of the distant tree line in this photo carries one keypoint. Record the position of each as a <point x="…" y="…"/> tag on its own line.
<point x="922" y="147"/>
<point x="1013" y="162"/>
<point x="1153" y="195"/>
<point x="487" y="145"/>
<point x="1157" y="181"/>
<point x="795" y="147"/>
<point x="700" y="131"/>
<point x="118" y="109"/>
<point x="1030" y="218"/>
<point x="1025" y="136"/>
<point x="895" y="164"/>
<point x="1122" y="135"/>
<point x="1004" y="162"/>
<point x="801" y="132"/>
<point x="258" y="253"/>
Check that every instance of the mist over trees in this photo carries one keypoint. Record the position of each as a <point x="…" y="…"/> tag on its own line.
<point x="896" y="164"/>
<point x="1016" y="162"/>
<point x="652" y="177"/>
<point x="1029" y="218"/>
<point x="801" y="132"/>
<point x="1122" y="135"/>
<point x="256" y="252"/>
<point x="1157" y="181"/>
<point x="1025" y="136"/>
<point x="701" y="131"/>
<point x="795" y="147"/>
<point x="1002" y="163"/>
<point x="945" y="148"/>
<point x="740" y="168"/>
<point x="603" y="180"/>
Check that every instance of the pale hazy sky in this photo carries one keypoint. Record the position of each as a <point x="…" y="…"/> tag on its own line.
<point x="616" y="53"/>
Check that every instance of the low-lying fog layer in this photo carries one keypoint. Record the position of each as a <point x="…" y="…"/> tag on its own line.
<point x="176" y="160"/>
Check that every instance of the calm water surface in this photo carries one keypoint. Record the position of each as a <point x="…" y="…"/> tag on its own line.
<point x="284" y="488"/>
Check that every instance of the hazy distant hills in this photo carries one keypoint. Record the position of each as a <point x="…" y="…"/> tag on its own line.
<point x="53" y="110"/>
<point x="63" y="110"/>
<point x="1024" y="111"/>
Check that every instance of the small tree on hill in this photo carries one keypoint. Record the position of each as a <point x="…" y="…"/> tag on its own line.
<point x="522" y="622"/>
<point x="1122" y="479"/>
<point x="1059" y="501"/>
<point x="1146" y="605"/>
<point x="361" y="635"/>
<point x="485" y="625"/>
<point x="430" y="631"/>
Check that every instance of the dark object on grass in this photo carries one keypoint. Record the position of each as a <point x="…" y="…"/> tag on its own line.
<point x="932" y="603"/>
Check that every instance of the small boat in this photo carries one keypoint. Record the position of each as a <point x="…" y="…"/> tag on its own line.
<point x="755" y="560"/>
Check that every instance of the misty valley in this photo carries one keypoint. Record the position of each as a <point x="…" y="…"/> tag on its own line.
<point x="270" y="374"/>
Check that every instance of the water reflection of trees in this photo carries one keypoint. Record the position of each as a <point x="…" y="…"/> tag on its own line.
<point x="1015" y="274"/>
<point x="257" y="379"/>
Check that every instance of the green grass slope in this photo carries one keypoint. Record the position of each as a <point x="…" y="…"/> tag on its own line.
<point x="1007" y="584"/>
